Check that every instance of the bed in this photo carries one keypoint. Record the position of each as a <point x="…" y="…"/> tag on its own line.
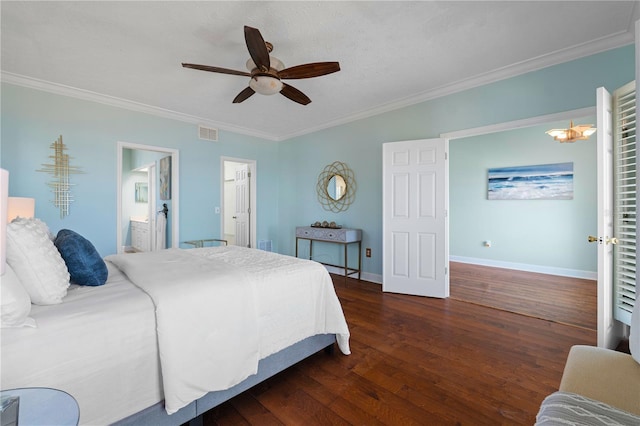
<point x="173" y="333"/>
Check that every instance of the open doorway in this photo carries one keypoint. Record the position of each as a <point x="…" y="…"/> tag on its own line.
<point x="141" y="197"/>
<point x="545" y="237"/>
<point x="139" y="206"/>
<point x="238" y="213"/>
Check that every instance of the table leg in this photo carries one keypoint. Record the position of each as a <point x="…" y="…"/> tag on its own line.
<point x="346" y="261"/>
<point x="359" y="258"/>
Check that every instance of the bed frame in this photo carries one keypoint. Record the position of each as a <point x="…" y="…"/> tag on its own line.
<point x="267" y="367"/>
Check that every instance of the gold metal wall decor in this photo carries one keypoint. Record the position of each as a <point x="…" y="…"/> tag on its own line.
<point x="60" y="171"/>
<point x="336" y="187"/>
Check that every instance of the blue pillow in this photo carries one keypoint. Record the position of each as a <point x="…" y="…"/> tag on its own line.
<point x="85" y="265"/>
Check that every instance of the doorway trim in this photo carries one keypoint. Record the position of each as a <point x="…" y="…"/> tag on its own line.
<point x="175" y="189"/>
<point x="519" y="124"/>
<point x="253" y="203"/>
<point x="513" y="125"/>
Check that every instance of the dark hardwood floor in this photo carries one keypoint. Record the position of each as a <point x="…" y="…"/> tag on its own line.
<point x="572" y="301"/>
<point x="416" y="361"/>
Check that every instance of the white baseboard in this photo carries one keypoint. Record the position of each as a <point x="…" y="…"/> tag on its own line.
<point x="574" y="273"/>
<point x="563" y="272"/>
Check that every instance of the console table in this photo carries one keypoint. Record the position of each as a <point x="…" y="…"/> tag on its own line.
<point x="342" y="236"/>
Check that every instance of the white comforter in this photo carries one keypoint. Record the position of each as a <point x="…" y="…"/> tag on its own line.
<point x="99" y="345"/>
<point x="216" y="320"/>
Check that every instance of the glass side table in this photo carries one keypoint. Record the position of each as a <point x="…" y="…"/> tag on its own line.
<point x="201" y="243"/>
<point x="43" y="406"/>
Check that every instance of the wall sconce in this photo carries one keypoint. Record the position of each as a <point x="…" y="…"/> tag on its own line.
<point x="573" y="133"/>
<point x="20" y="207"/>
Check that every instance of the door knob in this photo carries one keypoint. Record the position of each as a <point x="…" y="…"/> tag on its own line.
<point x="607" y="240"/>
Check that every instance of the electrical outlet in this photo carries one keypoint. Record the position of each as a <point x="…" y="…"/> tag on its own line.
<point x="367" y="252"/>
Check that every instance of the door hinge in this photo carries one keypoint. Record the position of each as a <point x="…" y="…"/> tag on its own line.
<point x="446" y="271"/>
<point x="446" y="156"/>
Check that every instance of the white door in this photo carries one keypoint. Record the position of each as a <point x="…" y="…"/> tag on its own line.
<point x="243" y="211"/>
<point x="414" y="220"/>
<point x="609" y="330"/>
<point x="153" y="209"/>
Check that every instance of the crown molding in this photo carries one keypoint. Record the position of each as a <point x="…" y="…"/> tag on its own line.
<point x="87" y="95"/>
<point x="564" y="55"/>
<point x="534" y="64"/>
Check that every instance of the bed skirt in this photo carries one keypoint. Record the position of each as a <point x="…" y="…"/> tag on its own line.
<point x="267" y="367"/>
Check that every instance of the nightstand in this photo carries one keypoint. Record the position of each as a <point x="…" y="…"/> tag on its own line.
<point x="44" y="406"/>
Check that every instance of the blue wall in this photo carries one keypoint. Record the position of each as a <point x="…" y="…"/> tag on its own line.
<point x="32" y="119"/>
<point x="555" y="89"/>
<point x="287" y="171"/>
<point x="549" y="233"/>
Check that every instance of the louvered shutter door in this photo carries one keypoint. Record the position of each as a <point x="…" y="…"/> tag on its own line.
<point x="625" y="183"/>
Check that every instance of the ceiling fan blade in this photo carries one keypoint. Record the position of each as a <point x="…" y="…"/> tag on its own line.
<point x="315" y="69"/>
<point x="294" y="94"/>
<point x="216" y="69"/>
<point x="257" y="48"/>
<point x="242" y="96"/>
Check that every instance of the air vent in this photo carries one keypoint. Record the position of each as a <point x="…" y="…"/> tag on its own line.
<point x="208" y="133"/>
<point x="264" y="245"/>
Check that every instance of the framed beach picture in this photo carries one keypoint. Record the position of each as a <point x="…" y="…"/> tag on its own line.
<point x="165" y="178"/>
<point x="539" y="182"/>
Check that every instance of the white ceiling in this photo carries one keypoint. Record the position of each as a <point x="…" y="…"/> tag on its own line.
<point x="391" y="54"/>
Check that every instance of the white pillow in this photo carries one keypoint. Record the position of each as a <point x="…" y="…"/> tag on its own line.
<point x="39" y="223"/>
<point x="15" y="304"/>
<point x="634" y="336"/>
<point x="36" y="261"/>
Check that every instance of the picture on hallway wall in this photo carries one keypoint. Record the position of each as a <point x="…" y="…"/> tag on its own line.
<point x="165" y="178"/>
<point x="539" y="182"/>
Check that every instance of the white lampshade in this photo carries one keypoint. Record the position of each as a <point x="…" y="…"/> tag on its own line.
<point x="4" y="195"/>
<point x="20" y="207"/>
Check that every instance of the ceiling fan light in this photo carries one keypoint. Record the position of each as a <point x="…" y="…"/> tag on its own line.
<point x="265" y="85"/>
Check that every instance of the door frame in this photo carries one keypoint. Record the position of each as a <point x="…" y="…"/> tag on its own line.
<point x="518" y="124"/>
<point x="253" y="203"/>
<point x="175" y="190"/>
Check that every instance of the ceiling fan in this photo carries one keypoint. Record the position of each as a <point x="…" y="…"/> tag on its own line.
<point x="267" y="72"/>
